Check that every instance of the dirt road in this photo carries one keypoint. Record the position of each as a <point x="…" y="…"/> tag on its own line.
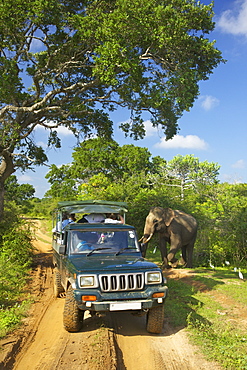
<point x="114" y="341"/>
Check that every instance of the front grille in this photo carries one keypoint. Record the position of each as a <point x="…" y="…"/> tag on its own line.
<point x="121" y="282"/>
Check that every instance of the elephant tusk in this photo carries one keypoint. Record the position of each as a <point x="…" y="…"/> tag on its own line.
<point x="141" y="239"/>
<point x="150" y="236"/>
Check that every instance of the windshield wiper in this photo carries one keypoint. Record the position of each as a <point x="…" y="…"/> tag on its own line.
<point x="96" y="249"/>
<point x="122" y="250"/>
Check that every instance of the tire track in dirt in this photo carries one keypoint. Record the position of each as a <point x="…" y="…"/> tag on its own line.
<point x="170" y="350"/>
<point x="45" y="345"/>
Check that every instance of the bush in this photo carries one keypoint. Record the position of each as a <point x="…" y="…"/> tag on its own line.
<point x="15" y="261"/>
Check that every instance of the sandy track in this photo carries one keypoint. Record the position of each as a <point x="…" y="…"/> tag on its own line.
<point x="115" y="341"/>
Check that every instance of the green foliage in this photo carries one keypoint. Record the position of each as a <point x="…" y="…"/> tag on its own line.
<point x="20" y="194"/>
<point x="106" y="157"/>
<point x="72" y="63"/>
<point x="185" y="173"/>
<point x="11" y="317"/>
<point x="102" y="169"/>
<point x="221" y="210"/>
<point x="15" y="260"/>
<point x="211" y="323"/>
<point x="63" y="183"/>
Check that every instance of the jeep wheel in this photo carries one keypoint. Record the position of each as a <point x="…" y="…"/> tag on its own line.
<point x="72" y="315"/>
<point x="57" y="286"/>
<point x="155" y="319"/>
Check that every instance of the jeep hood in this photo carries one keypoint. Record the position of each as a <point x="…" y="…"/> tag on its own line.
<point x="110" y="263"/>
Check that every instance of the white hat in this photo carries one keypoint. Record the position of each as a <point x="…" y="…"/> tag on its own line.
<point x="95" y="217"/>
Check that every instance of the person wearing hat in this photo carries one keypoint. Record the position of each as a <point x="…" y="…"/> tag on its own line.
<point x="69" y="220"/>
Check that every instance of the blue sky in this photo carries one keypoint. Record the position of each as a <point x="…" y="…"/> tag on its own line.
<point x="215" y="129"/>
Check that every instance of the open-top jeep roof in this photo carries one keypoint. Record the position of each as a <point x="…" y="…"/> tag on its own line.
<point x="92" y="206"/>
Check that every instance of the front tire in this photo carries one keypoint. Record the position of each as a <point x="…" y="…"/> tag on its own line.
<point x="57" y="285"/>
<point x="72" y="315"/>
<point x="155" y="319"/>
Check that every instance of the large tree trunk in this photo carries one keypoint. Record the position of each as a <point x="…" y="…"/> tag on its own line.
<point x="1" y="199"/>
<point x="6" y="169"/>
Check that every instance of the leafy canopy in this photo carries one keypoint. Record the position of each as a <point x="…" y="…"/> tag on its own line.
<point x="71" y="62"/>
<point x="102" y="164"/>
<point x="20" y="194"/>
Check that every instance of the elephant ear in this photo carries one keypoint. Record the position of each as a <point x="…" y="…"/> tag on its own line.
<point x="169" y="216"/>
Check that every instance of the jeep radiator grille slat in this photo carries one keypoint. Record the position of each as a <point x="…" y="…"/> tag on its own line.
<point x="120" y="282"/>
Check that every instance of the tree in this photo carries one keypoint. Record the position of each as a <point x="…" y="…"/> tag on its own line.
<point x="63" y="184"/>
<point x="95" y="156"/>
<point x="186" y="172"/>
<point x="69" y="63"/>
<point x="97" y="165"/>
<point x="19" y="193"/>
<point x="99" y="155"/>
<point x="221" y="211"/>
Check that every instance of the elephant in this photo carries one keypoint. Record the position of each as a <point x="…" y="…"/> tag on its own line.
<point x="175" y="227"/>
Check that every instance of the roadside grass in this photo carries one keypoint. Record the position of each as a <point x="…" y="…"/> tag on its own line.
<point x="211" y="310"/>
<point x="15" y="263"/>
<point x="11" y="317"/>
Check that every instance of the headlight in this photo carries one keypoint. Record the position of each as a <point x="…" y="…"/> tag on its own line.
<point x="153" y="277"/>
<point x="88" y="281"/>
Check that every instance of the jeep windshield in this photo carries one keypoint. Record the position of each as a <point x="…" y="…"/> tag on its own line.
<point x="110" y="241"/>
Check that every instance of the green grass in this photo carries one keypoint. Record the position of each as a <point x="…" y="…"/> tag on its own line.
<point x="210" y="315"/>
<point x="10" y="318"/>
<point x="15" y="263"/>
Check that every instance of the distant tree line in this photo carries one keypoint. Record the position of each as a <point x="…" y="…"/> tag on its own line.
<point x="102" y="169"/>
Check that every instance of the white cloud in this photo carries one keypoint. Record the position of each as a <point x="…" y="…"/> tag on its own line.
<point x="239" y="164"/>
<point x="42" y="144"/>
<point x="234" y="21"/>
<point x="208" y="102"/>
<point x="231" y="178"/>
<point x="150" y="130"/>
<point x="64" y="131"/>
<point x="24" y="178"/>
<point x="184" y="142"/>
<point x="61" y="130"/>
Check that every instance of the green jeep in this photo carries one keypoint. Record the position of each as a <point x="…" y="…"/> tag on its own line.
<point x="99" y="267"/>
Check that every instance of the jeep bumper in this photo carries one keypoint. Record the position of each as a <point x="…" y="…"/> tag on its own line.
<point x="120" y="301"/>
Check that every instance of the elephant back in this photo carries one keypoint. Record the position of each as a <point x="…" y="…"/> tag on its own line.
<point x="187" y="221"/>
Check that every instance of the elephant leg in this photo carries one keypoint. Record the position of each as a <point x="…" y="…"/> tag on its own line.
<point x="171" y="255"/>
<point x="189" y="249"/>
<point x="175" y="246"/>
<point x="184" y="257"/>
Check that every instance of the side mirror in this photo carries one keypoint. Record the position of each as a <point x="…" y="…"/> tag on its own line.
<point x="61" y="249"/>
